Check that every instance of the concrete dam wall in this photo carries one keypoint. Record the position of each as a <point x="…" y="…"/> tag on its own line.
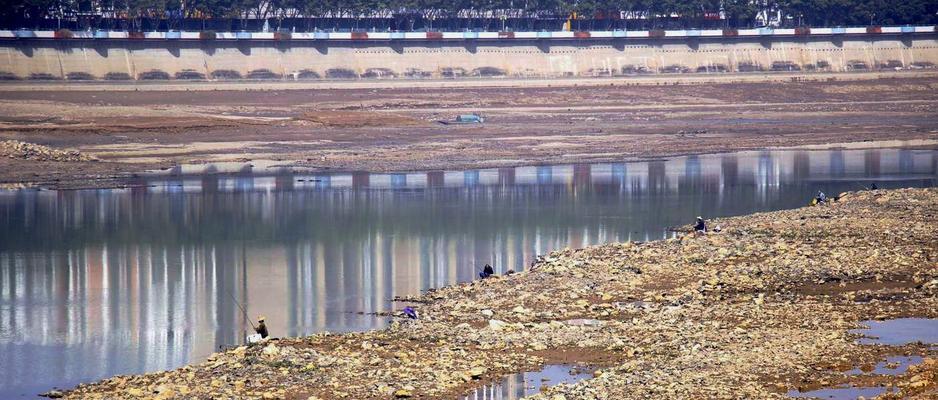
<point x="89" y="59"/>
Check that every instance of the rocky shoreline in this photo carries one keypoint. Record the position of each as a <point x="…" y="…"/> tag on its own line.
<point x="765" y="306"/>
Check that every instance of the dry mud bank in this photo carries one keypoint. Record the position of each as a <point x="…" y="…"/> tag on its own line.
<point x="762" y="307"/>
<point x="397" y="128"/>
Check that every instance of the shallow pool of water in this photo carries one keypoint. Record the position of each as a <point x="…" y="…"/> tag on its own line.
<point x="517" y="386"/>
<point x="95" y="283"/>
<point x="898" y="332"/>
<point x="893" y="365"/>
<point x="842" y="393"/>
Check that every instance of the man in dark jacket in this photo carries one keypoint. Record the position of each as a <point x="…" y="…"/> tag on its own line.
<point x="487" y="271"/>
<point x="261" y="328"/>
<point x="701" y="226"/>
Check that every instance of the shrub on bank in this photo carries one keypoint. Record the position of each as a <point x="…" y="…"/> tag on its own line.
<point x="117" y="76"/>
<point x="42" y="76"/>
<point x="712" y="68"/>
<point x="417" y="73"/>
<point x="785" y="66"/>
<point x="263" y="73"/>
<point x="378" y="73"/>
<point x="630" y="69"/>
<point x="225" y="74"/>
<point x="748" y="66"/>
<point x="307" y="74"/>
<point x="189" y="74"/>
<point x="600" y="72"/>
<point x="857" y="65"/>
<point x="674" y="69"/>
<point x="341" y="73"/>
<point x="488" y="71"/>
<point x="452" y="72"/>
<point x="80" y="76"/>
<point x="891" y="64"/>
<point x="153" y="75"/>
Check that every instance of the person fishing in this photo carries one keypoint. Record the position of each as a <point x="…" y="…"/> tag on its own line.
<point x="700" y="226"/>
<point x="487" y="271"/>
<point x="820" y="198"/>
<point x="261" y="327"/>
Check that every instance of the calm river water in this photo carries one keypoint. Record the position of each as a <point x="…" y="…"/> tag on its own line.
<point x="95" y="283"/>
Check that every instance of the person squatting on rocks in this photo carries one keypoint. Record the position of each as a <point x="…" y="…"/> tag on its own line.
<point x="409" y="312"/>
<point x="261" y="328"/>
<point x="487" y="271"/>
<point x="820" y="198"/>
<point x="701" y="226"/>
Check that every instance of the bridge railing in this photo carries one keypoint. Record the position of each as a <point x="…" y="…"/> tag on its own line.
<point x="462" y="35"/>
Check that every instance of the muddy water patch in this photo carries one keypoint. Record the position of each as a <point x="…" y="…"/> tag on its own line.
<point x="517" y="386"/>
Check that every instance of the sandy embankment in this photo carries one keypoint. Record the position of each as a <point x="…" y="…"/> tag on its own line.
<point x="760" y="308"/>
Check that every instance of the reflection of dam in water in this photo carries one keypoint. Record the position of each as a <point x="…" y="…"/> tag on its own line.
<point x="100" y="282"/>
<point x="763" y="168"/>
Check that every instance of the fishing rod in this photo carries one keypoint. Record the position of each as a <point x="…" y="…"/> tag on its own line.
<point x="245" y="312"/>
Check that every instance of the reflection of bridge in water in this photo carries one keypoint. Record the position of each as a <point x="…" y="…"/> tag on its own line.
<point x="95" y="283"/>
<point x="709" y="172"/>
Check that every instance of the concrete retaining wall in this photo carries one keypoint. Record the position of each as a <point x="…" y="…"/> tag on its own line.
<point x="78" y="59"/>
